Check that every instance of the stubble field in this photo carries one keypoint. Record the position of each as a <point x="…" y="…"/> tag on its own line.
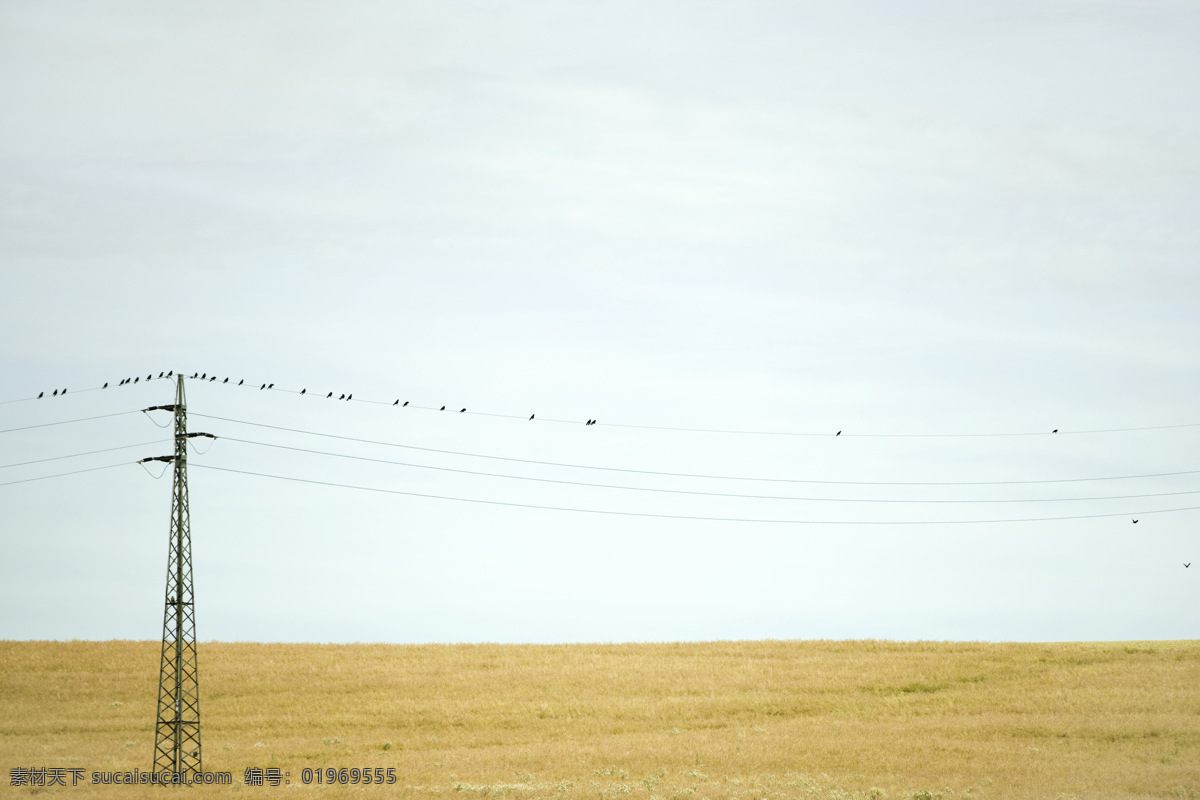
<point x="767" y="719"/>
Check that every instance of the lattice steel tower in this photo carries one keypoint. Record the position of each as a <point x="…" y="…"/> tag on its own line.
<point x="177" y="730"/>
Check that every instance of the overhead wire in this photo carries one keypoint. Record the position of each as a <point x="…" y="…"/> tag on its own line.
<point x="703" y="493"/>
<point x="756" y="520"/>
<point x="77" y="391"/>
<point x="632" y="471"/>
<point x="851" y="435"/>
<point x="64" y="474"/>
<point x="682" y="429"/>
<point x="78" y="455"/>
<point x="161" y="472"/>
<point x="732" y="431"/>
<point x="687" y="474"/>
<point x="66" y="422"/>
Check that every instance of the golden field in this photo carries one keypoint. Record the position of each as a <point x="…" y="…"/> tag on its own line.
<point x="767" y="719"/>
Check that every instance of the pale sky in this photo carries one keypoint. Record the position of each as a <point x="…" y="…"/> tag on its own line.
<point x="680" y="219"/>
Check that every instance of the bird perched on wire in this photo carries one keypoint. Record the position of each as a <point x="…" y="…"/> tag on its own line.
<point x="203" y="377"/>
<point x="329" y="395"/>
<point x="195" y="375"/>
<point x="42" y="393"/>
<point x="397" y="402"/>
<point x="135" y="380"/>
<point x="105" y="386"/>
<point x="1054" y="431"/>
<point x="64" y="391"/>
<point x="213" y="378"/>
<point x="443" y="408"/>
<point x="405" y="403"/>
<point x="350" y="396"/>
<point x="302" y="391"/>
<point x="262" y="387"/>
<point x="270" y="386"/>
<point x="243" y="380"/>
<point x="160" y="374"/>
<point x="55" y="393"/>
<point x="531" y="416"/>
<point x="461" y="410"/>
<point x="225" y="381"/>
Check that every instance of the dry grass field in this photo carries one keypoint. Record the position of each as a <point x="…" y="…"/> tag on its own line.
<point x="773" y="719"/>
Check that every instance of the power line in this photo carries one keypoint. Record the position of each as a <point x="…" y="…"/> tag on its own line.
<point x="78" y="455"/>
<point x="79" y="391"/>
<point x="847" y="434"/>
<point x="687" y="474"/>
<point x="700" y="493"/>
<point x="691" y="517"/>
<point x="632" y="426"/>
<point x="64" y="474"/>
<point x="67" y="421"/>
<point x="730" y="431"/>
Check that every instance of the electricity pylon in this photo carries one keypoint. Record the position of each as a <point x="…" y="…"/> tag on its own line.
<point x="177" y="728"/>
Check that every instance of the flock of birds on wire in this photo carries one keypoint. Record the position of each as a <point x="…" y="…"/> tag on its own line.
<point x="342" y="396"/>
<point x="212" y="379"/>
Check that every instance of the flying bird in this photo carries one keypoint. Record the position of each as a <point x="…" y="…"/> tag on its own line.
<point x="1185" y="566"/>
<point x="1135" y="522"/>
